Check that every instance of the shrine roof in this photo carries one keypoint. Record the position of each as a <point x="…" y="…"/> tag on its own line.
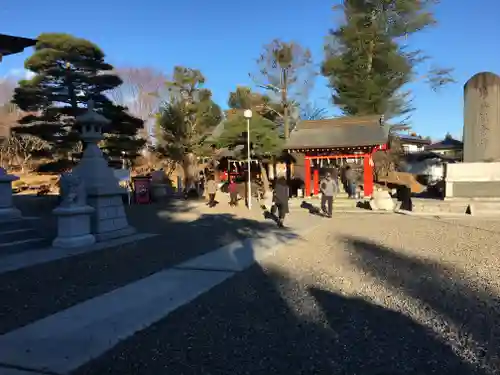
<point x="448" y="143"/>
<point x="338" y="132"/>
<point x="14" y="44"/>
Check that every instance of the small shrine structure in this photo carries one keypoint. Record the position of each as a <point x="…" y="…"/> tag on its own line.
<point x="325" y="144"/>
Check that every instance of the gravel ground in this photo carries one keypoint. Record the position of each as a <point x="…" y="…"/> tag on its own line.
<point x="35" y="292"/>
<point x="373" y="294"/>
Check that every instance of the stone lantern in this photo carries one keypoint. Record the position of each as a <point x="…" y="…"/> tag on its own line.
<point x="102" y="187"/>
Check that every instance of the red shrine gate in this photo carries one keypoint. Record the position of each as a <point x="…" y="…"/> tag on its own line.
<point x="314" y="164"/>
<point x="337" y="142"/>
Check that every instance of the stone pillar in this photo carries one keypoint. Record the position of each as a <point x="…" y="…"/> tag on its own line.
<point x="104" y="193"/>
<point x="7" y="209"/>
<point x="482" y="118"/>
<point x="73" y="227"/>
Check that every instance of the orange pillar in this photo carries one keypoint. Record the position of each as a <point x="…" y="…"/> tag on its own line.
<point x="368" y="175"/>
<point x="307" y="178"/>
<point x="316" y="181"/>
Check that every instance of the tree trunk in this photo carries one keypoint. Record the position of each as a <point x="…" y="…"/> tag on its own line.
<point x="265" y="180"/>
<point x="189" y="167"/>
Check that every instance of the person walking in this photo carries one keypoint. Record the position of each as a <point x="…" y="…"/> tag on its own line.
<point x="211" y="188"/>
<point x="328" y="190"/>
<point x="281" y="195"/>
<point x="350" y="177"/>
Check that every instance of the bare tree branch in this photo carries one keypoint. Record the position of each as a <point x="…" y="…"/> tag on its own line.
<point x="142" y="92"/>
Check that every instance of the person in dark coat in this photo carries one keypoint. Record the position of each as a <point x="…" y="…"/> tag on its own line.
<point x="281" y="195"/>
<point x="350" y="177"/>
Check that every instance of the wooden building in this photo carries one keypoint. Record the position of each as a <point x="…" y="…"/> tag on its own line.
<point x="10" y="45"/>
<point x="324" y="144"/>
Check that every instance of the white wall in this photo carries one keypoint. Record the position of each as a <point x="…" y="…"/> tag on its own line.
<point x="412" y="148"/>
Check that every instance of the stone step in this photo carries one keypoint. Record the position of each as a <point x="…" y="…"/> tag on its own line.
<point x="490" y="208"/>
<point x="436" y="206"/>
<point x="23" y="245"/>
<point x="17" y="224"/>
<point x="11" y="235"/>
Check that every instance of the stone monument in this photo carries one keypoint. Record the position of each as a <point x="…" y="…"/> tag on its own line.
<point x="104" y="193"/>
<point x="73" y="214"/>
<point x="482" y="118"/>
<point x="478" y="176"/>
<point x="7" y="209"/>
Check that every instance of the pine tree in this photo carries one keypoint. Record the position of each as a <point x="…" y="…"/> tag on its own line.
<point x="368" y="61"/>
<point x="68" y="72"/>
<point x="265" y="136"/>
<point x="186" y="120"/>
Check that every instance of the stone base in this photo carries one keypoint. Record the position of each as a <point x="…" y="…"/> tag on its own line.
<point x="109" y="220"/>
<point x="72" y="242"/>
<point x="10" y="213"/>
<point x="124" y="232"/>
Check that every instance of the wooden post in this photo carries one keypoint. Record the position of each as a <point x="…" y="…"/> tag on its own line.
<point x="367" y="175"/>
<point x="316" y="181"/>
<point x="307" y="177"/>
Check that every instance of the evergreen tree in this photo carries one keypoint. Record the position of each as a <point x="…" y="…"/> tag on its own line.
<point x="186" y="120"/>
<point x="368" y="60"/>
<point x="265" y="136"/>
<point x="69" y="72"/>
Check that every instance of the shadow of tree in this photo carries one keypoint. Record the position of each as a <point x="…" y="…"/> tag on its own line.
<point x="261" y="321"/>
<point x="473" y="309"/>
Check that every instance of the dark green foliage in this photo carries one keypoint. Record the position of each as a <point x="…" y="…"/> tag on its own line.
<point x="265" y="136"/>
<point x="70" y="71"/>
<point x="368" y="61"/>
<point x="188" y="117"/>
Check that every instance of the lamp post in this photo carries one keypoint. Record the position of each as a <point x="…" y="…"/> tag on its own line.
<point x="248" y="115"/>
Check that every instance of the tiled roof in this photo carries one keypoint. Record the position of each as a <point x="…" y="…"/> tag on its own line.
<point x="339" y="132"/>
<point x="446" y="144"/>
<point x="414" y="139"/>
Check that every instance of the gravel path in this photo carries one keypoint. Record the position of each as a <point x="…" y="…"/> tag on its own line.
<point x="33" y="293"/>
<point x="374" y="294"/>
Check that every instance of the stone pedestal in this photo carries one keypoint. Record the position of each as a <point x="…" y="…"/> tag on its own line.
<point x="109" y="220"/>
<point x="103" y="191"/>
<point x="73" y="227"/>
<point x="7" y="209"/>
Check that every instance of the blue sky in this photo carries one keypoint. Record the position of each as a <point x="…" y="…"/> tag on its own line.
<point x="223" y="38"/>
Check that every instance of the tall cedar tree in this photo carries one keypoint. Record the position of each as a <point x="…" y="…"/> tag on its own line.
<point x="286" y="68"/>
<point x="186" y="120"/>
<point x="70" y="71"/>
<point x="264" y="135"/>
<point x="368" y="61"/>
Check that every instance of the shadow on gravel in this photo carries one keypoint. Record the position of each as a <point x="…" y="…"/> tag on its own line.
<point x="263" y="322"/>
<point x="474" y="309"/>
<point x="44" y="289"/>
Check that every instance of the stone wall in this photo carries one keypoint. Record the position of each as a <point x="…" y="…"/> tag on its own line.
<point x="472" y="180"/>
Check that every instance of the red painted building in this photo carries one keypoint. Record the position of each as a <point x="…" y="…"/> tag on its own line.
<point x="320" y="145"/>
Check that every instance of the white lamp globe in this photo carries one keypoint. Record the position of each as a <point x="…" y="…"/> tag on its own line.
<point x="247" y="113"/>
